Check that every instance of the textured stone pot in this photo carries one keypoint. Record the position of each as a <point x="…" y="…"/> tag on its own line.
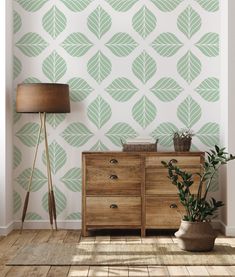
<point x="195" y="236"/>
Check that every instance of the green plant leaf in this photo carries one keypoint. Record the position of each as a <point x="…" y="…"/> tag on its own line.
<point x="73" y="179"/>
<point x="77" y="44"/>
<point x="209" y="5"/>
<point x="60" y="200"/>
<point x="16" y="116"/>
<point x="17" y="67"/>
<point x="99" y="146"/>
<point x="144" y="67"/>
<point x="167" y="44"/>
<point x="166" y="5"/>
<point x="54" y="67"/>
<point x="209" y="89"/>
<point x="209" y="44"/>
<point x="31" y="5"/>
<point x="121" y="89"/>
<point x="54" y="22"/>
<point x="209" y="134"/>
<point x="77" y="5"/>
<point x="31" y="80"/>
<point x="17" y="202"/>
<point x="17" y="157"/>
<point x="99" y="22"/>
<point x="189" y="112"/>
<point x="214" y="186"/>
<point x="122" y="5"/>
<point x="79" y="89"/>
<point x="164" y="133"/>
<point x="17" y="22"/>
<point x="120" y="132"/>
<point x="28" y="134"/>
<point x="99" y="112"/>
<point x="54" y="119"/>
<point x="74" y="216"/>
<point x="121" y="44"/>
<point x="58" y="157"/>
<point x="166" y="89"/>
<point x="144" y="22"/>
<point x="144" y="112"/>
<point x="189" y="67"/>
<point x="99" y="67"/>
<point x="38" y="181"/>
<point x="32" y="216"/>
<point x="77" y="134"/>
<point x="189" y="22"/>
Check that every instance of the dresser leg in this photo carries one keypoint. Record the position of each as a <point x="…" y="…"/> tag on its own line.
<point x="143" y="232"/>
<point x="85" y="233"/>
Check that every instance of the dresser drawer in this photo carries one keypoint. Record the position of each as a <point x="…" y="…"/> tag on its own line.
<point x="113" y="211"/>
<point x="163" y="212"/>
<point x="181" y="160"/>
<point x="113" y="160"/>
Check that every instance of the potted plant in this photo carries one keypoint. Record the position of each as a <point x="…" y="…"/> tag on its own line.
<point x="182" y="140"/>
<point x="195" y="232"/>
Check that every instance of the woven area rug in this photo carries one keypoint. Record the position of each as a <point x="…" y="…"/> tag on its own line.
<point x="120" y="254"/>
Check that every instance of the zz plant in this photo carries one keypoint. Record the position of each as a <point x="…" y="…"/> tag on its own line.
<point x="197" y="206"/>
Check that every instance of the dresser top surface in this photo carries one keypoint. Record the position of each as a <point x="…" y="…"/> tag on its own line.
<point x="155" y="153"/>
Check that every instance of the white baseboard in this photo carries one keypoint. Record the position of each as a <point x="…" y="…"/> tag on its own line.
<point x="5" y="230"/>
<point x="45" y="224"/>
<point x="228" y="230"/>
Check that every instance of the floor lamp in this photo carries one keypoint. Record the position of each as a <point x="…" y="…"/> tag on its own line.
<point x="42" y="98"/>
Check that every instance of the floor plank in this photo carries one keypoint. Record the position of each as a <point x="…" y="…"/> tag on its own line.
<point x="102" y="271"/>
<point x="78" y="271"/>
<point x="197" y="271"/>
<point x="217" y="271"/>
<point x="177" y="271"/>
<point x="58" y="236"/>
<point x="158" y="271"/>
<point x="72" y="236"/>
<point x="28" y="271"/>
<point x="58" y="271"/>
<point x="138" y="271"/>
<point x="118" y="271"/>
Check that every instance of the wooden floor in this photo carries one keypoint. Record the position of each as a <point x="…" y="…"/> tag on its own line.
<point x="10" y="244"/>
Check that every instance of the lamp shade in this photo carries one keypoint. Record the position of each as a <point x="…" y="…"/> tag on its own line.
<point x="49" y="98"/>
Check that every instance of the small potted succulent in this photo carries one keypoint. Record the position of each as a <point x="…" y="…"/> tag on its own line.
<point x="182" y="140"/>
<point x="195" y="232"/>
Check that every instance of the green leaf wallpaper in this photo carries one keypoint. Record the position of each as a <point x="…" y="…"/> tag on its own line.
<point x="134" y="67"/>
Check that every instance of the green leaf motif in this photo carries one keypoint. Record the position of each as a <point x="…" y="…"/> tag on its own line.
<point x="166" y="89"/>
<point x="33" y="216"/>
<point x="122" y="5"/>
<point x="164" y="133"/>
<point x="144" y="22"/>
<point x="73" y="179"/>
<point x="209" y="5"/>
<point x="79" y="89"/>
<point x="55" y="119"/>
<point x="121" y="44"/>
<point x="144" y="67"/>
<point x="17" y="22"/>
<point x="77" y="5"/>
<point x="74" y="216"/>
<point x="58" y="157"/>
<point x="121" y="89"/>
<point x="99" y="112"/>
<point x="28" y="134"/>
<point x="54" y="22"/>
<point x="77" y="44"/>
<point x="120" y="132"/>
<point x="17" y="157"/>
<point x="60" y="200"/>
<point x="189" y="22"/>
<point x="167" y="44"/>
<point x="38" y="181"/>
<point x="209" y="134"/>
<point x="99" y="67"/>
<point x="209" y="44"/>
<point x="77" y="134"/>
<point x="167" y="5"/>
<point x="32" y="44"/>
<point x="209" y="89"/>
<point x="189" y="112"/>
<point x="99" y="22"/>
<point x="144" y="112"/>
<point x="31" y="80"/>
<point x="189" y="67"/>
<point x="214" y="186"/>
<point x="54" y="67"/>
<point x="99" y="146"/>
<point x="31" y="5"/>
<point x="16" y="116"/>
<point x="17" y="202"/>
<point x="17" y="67"/>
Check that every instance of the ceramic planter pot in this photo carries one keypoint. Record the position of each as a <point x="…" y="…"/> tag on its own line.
<point x="195" y="236"/>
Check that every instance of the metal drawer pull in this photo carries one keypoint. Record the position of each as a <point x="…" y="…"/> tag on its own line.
<point x="113" y="161"/>
<point x="173" y="206"/>
<point x="113" y="206"/>
<point x="113" y="177"/>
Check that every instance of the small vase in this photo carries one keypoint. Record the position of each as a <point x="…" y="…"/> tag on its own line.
<point x="195" y="236"/>
<point x="182" y="144"/>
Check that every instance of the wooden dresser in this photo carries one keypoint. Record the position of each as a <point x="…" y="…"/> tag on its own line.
<point x="130" y="190"/>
